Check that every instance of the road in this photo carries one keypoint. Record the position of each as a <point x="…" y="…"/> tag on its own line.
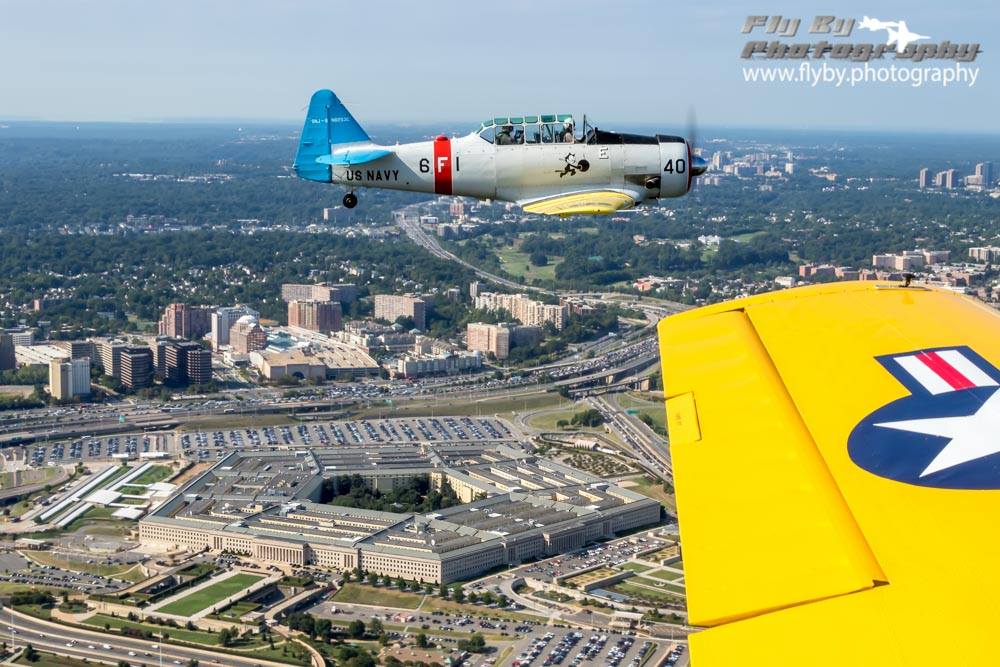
<point x="412" y="228"/>
<point x="53" y="637"/>
<point x="649" y="448"/>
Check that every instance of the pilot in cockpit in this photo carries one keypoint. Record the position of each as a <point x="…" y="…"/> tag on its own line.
<point x="567" y="135"/>
<point x="503" y="135"/>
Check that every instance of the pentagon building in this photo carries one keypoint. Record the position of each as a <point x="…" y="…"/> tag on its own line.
<point x="517" y="506"/>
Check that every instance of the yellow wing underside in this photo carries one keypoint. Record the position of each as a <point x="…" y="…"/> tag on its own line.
<point x="595" y="202"/>
<point x="793" y="554"/>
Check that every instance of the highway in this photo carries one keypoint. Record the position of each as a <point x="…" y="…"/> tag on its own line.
<point x="78" y="643"/>
<point x="412" y="228"/>
<point x="650" y="450"/>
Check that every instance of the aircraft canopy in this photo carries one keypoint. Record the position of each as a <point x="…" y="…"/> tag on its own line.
<point x="518" y="120"/>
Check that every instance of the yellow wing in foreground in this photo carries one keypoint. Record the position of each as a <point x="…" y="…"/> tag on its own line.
<point x="801" y="545"/>
<point x="592" y="202"/>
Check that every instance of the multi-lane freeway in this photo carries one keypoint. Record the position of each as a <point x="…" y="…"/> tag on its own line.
<point x="106" y="647"/>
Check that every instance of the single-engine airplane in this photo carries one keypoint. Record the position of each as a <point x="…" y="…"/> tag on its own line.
<point x="540" y="162"/>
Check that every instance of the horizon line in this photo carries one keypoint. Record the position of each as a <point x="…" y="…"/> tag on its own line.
<point x="296" y="124"/>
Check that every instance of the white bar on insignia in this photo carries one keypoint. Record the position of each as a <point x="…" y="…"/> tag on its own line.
<point x="931" y="381"/>
<point x="961" y="364"/>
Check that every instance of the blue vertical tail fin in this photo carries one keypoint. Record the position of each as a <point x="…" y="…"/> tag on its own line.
<point x="328" y="123"/>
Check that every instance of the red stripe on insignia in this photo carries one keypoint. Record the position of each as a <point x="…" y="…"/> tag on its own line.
<point x="442" y="165"/>
<point x="946" y="371"/>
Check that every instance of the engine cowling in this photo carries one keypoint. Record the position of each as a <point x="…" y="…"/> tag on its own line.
<point x="675" y="166"/>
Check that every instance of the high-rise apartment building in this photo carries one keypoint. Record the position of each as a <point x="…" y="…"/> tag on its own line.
<point x="924" y="178"/>
<point x="180" y="320"/>
<point x="488" y="338"/>
<point x="223" y="320"/>
<point x="342" y="292"/>
<point x="988" y="255"/>
<point x="322" y="316"/>
<point x="246" y="336"/>
<point x="391" y="307"/>
<point x="526" y="310"/>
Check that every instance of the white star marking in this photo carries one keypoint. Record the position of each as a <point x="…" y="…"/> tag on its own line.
<point x="972" y="436"/>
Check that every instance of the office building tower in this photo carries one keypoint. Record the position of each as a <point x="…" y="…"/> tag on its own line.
<point x="136" y="367"/>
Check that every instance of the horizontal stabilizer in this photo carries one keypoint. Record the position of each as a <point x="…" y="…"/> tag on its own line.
<point x="353" y="156"/>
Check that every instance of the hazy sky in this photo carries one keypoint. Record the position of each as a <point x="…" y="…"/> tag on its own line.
<point x="460" y="60"/>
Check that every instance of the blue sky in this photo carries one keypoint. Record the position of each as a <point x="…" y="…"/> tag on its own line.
<point x="632" y="61"/>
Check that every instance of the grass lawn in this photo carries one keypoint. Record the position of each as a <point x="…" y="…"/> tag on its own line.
<point x="380" y="597"/>
<point x="652" y="489"/>
<point x="184" y="635"/>
<point x="516" y="264"/>
<point x="204" y="598"/>
<point x="180" y="634"/>
<point x="666" y="575"/>
<point x="747" y="237"/>
<point x="236" y="611"/>
<point x="52" y="660"/>
<point x="101" y="569"/>
<point x="641" y="593"/>
<point x="547" y="420"/>
<point x="99" y="515"/>
<point x="152" y="475"/>
<point x="237" y="421"/>
<point x="654" y="409"/>
<point x="7" y="587"/>
<point x="27" y="477"/>
<point x="463" y="407"/>
<point x="635" y="567"/>
<point x="35" y="610"/>
<point x="590" y="577"/>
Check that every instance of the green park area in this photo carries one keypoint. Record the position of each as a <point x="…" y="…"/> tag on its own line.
<point x="635" y="567"/>
<point x="518" y="264"/>
<point x="152" y="475"/>
<point x="352" y="593"/>
<point x="178" y="634"/>
<point x="463" y="406"/>
<point x="211" y="595"/>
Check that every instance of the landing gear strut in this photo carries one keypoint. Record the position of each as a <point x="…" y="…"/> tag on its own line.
<point x="350" y="200"/>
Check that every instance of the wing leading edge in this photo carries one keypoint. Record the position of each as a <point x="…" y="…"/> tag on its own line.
<point x="794" y="554"/>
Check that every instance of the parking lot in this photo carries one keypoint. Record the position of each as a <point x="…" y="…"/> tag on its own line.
<point x="214" y="444"/>
<point x="608" y="554"/>
<point x="96" y="448"/>
<point x="586" y="648"/>
<point x="204" y="445"/>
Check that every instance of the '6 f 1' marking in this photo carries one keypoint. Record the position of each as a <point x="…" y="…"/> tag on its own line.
<point x="442" y="165"/>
